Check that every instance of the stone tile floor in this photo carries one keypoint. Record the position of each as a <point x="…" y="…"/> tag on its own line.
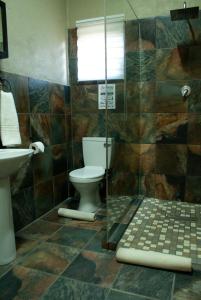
<point x="58" y="258"/>
<point x="117" y="207"/>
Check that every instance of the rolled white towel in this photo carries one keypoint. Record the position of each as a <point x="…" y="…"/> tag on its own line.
<point x="37" y="147"/>
<point x="76" y="214"/>
<point x="154" y="259"/>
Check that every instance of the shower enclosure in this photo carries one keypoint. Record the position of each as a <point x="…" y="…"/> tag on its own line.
<point x="157" y="146"/>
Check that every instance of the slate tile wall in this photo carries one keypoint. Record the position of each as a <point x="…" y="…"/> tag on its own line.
<point x="44" y="115"/>
<point x="174" y="120"/>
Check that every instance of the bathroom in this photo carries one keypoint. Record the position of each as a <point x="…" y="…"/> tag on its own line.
<point x="155" y="166"/>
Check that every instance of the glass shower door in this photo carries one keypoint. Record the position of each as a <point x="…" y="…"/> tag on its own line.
<point x="122" y="119"/>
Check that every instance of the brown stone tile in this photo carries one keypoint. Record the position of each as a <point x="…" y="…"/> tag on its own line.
<point x="39" y="230"/>
<point x="84" y="125"/>
<point x="169" y="187"/>
<point x="58" y="129"/>
<point x="24" y="246"/>
<point x="147" y="185"/>
<point x="120" y="97"/>
<point x="163" y="187"/>
<point x="171" y="128"/>
<point x="55" y="218"/>
<point x="147" y="158"/>
<point x="148" y="33"/>
<point x="65" y="288"/>
<point x="42" y="166"/>
<point x="193" y="128"/>
<point x="77" y="156"/>
<point x="124" y="129"/>
<point x="126" y="157"/>
<point x="132" y="97"/>
<point x="57" y="100"/>
<point x="72" y="236"/>
<point x="123" y="183"/>
<point x="97" y="268"/>
<point x="193" y="189"/>
<point x="60" y="187"/>
<point x="168" y="97"/>
<point x="147" y="128"/>
<point x="187" y="286"/>
<point x="40" y="128"/>
<point x="171" y="159"/>
<point x="84" y="98"/>
<point x="194" y="160"/>
<point x="59" y="156"/>
<point x="147" y="96"/>
<point x="39" y="95"/>
<point x="50" y="258"/>
<point x="182" y="62"/>
<point x="131" y="36"/>
<point x="43" y="197"/>
<point x="24" y="124"/>
<point x="23" y="283"/>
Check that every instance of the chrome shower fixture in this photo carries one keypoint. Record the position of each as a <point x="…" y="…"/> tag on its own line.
<point x="185" y="91"/>
<point x="185" y="13"/>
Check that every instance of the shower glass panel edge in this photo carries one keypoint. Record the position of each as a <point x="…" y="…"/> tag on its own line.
<point x="122" y="179"/>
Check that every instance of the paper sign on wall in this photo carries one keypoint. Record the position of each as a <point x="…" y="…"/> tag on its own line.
<point x="110" y="96"/>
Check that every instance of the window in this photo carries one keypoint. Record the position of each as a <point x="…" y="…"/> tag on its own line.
<point x="91" y="48"/>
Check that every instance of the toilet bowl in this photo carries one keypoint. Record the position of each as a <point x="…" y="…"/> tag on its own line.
<point x="86" y="180"/>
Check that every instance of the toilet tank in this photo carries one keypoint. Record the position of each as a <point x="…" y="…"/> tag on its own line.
<point x="94" y="151"/>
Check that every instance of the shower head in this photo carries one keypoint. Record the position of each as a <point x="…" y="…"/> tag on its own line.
<point x="185" y="13"/>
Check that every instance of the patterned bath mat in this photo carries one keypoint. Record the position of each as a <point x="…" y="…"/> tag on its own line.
<point x="168" y="227"/>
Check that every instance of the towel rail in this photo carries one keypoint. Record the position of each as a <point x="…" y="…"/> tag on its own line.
<point x="5" y="85"/>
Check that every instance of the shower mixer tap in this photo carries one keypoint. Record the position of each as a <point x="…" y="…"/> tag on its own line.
<point x="185" y="91"/>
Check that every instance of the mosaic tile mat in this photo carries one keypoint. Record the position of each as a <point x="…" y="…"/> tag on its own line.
<point x="169" y="227"/>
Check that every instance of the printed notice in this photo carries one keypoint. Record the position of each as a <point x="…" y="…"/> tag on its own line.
<point x="111" y="101"/>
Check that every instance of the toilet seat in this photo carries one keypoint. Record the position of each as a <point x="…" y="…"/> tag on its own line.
<point x="87" y="174"/>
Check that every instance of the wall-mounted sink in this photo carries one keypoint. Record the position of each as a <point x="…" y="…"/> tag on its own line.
<point x="11" y="160"/>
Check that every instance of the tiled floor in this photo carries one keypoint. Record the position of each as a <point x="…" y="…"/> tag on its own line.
<point x="63" y="259"/>
<point x="169" y="227"/>
<point x="116" y="209"/>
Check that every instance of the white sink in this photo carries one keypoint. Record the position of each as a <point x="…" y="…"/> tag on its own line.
<point x="11" y="160"/>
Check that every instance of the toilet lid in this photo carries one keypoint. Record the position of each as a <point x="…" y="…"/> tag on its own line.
<point x="88" y="172"/>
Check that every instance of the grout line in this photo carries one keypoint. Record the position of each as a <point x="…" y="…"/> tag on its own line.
<point x="117" y="275"/>
<point x="134" y="294"/>
<point x="45" y="273"/>
<point x="8" y="270"/>
<point x="173" y="287"/>
<point x="42" y="216"/>
<point x="87" y="283"/>
<point x="81" y="250"/>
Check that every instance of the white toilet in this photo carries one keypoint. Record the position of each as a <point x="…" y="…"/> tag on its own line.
<point x="86" y="180"/>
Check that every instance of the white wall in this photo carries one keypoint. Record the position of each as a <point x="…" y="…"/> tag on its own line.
<point x="85" y="9"/>
<point x="37" y="33"/>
